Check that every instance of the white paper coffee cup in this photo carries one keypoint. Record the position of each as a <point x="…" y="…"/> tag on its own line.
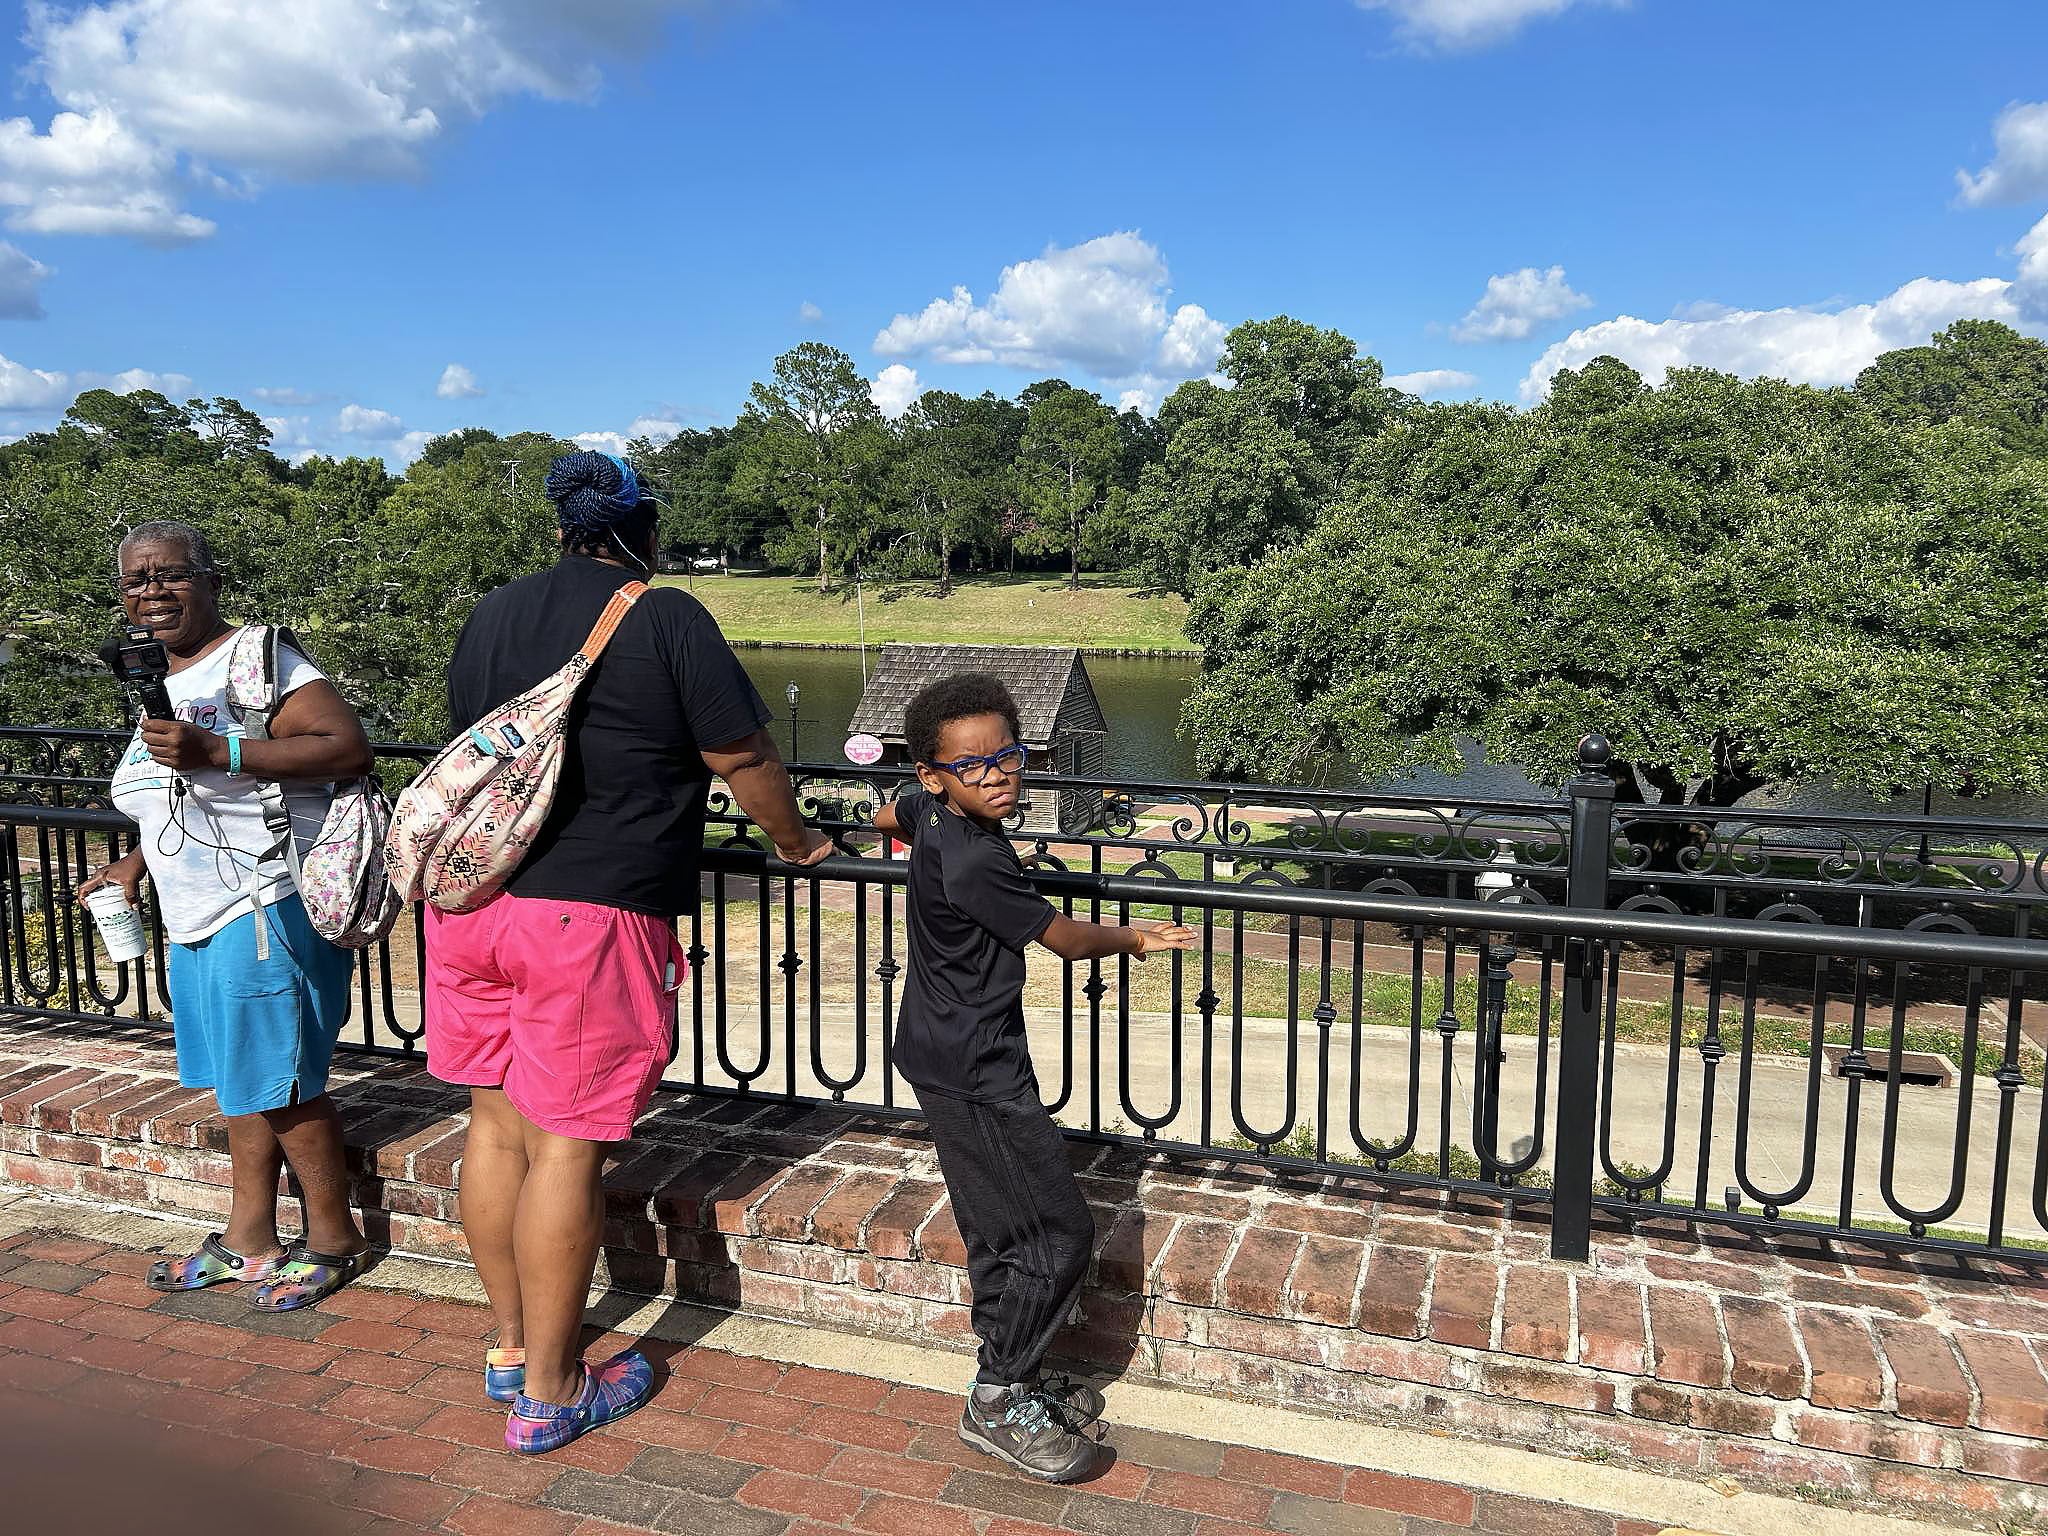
<point x="120" y="925"/>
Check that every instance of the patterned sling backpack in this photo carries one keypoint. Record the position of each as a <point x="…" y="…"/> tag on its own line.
<point x="460" y="829"/>
<point x="340" y="876"/>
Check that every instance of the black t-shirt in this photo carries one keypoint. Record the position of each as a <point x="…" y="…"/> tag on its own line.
<point x="628" y="819"/>
<point x="972" y="914"/>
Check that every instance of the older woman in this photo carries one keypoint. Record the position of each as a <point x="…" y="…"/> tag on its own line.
<point x="555" y="1003"/>
<point x="257" y="996"/>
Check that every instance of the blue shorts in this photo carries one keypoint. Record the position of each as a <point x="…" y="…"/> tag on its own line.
<point x="259" y="1033"/>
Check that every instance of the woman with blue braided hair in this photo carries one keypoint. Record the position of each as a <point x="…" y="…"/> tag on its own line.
<point x="602" y="512"/>
<point x="555" y="1003"/>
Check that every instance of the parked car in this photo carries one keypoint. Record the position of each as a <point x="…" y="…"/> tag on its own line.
<point x="707" y="563"/>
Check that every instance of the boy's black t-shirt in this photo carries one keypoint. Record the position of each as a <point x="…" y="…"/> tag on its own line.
<point x="972" y="913"/>
<point x="627" y="825"/>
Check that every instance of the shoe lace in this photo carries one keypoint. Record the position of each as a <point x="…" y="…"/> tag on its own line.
<point x="1030" y="1412"/>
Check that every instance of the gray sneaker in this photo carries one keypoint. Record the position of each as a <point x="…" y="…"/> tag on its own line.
<point x="1024" y="1427"/>
<point x="1079" y="1404"/>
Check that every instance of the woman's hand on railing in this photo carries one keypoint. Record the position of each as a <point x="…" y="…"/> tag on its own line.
<point x="126" y="872"/>
<point x="815" y="846"/>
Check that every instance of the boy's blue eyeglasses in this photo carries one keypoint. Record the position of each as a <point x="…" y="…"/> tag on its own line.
<point x="972" y="770"/>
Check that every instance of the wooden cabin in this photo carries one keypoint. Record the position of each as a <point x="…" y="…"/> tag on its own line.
<point x="1063" y="725"/>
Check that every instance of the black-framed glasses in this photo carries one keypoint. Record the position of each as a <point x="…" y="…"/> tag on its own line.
<point x="972" y="770"/>
<point x="134" y="583"/>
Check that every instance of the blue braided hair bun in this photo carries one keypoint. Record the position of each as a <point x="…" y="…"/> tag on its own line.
<point x="592" y="491"/>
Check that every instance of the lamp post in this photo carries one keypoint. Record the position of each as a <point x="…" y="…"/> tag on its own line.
<point x="792" y="723"/>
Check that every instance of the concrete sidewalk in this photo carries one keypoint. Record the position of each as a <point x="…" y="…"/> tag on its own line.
<point x="367" y="1414"/>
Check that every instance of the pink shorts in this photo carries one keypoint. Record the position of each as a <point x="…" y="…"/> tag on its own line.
<point x="568" y="1006"/>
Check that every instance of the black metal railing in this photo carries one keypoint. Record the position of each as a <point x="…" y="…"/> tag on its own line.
<point x="1354" y="1006"/>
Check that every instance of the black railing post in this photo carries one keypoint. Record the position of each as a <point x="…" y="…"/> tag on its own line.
<point x="1498" y="960"/>
<point x="1592" y="799"/>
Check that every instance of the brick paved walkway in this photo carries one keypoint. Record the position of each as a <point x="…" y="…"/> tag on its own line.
<point x="367" y="1414"/>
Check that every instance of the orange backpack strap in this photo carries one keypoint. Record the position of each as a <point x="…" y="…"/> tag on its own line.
<point x="607" y="622"/>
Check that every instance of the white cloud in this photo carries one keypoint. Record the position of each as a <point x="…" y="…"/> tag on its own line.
<point x="291" y="438"/>
<point x="277" y="395"/>
<point x="457" y="383"/>
<point x="809" y="313"/>
<point x="894" y="389"/>
<point x="31" y="389"/>
<point x="2018" y="171"/>
<point x="1516" y="303"/>
<point x="1432" y="381"/>
<point x="363" y="421"/>
<point x="175" y="385"/>
<point x="1192" y="342"/>
<point x="1467" y="23"/>
<point x="656" y="429"/>
<point x="2031" y="287"/>
<point x="362" y="432"/>
<point x="91" y="175"/>
<point x="158" y="99"/>
<point x="1099" y="306"/>
<point x="41" y="389"/>
<point x="613" y="443"/>
<point x="1806" y="346"/>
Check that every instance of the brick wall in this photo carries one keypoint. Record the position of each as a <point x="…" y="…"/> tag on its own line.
<point x="1786" y="1363"/>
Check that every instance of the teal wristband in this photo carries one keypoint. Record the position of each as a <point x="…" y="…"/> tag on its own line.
<point x="234" y="754"/>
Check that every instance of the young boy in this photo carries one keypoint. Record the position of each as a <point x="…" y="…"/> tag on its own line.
<point x="960" y="1042"/>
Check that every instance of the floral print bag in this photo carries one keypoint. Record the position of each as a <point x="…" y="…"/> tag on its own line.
<point x="460" y="829"/>
<point x="340" y="876"/>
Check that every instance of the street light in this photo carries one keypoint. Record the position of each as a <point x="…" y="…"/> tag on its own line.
<point x="792" y="723"/>
<point x="1499" y="881"/>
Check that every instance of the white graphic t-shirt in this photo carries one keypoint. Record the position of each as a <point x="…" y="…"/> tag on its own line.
<point x="203" y="836"/>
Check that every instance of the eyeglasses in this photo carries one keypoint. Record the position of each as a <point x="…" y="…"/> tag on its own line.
<point x="972" y="770"/>
<point x="133" y="583"/>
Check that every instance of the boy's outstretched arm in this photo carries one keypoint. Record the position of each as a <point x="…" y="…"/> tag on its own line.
<point x="886" y="819"/>
<point x="1089" y="941"/>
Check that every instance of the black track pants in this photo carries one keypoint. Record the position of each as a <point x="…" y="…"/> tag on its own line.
<point x="1028" y="1231"/>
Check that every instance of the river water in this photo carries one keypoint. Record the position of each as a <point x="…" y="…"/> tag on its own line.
<point x="1142" y="695"/>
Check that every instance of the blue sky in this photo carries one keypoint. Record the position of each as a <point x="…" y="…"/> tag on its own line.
<point x="617" y="213"/>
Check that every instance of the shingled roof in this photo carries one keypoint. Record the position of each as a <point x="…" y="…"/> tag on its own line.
<point x="1038" y="676"/>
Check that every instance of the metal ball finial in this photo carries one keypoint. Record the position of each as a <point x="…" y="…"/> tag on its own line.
<point x="1594" y="752"/>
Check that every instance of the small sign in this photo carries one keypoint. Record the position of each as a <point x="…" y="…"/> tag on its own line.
<point x="863" y="749"/>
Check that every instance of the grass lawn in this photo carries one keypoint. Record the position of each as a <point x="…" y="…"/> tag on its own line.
<point x="996" y="610"/>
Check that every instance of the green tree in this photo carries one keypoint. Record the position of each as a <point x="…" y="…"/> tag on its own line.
<point x="1740" y="583"/>
<point x="693" y="473"/>
<point x="446" y="535"/>
<point x="815" y="454"/>
<point x="101" y="426"/>
<point x="450" y="446"/>
<point x="1976" y="370"/>
<point x="237" y="433"/>
<point x="951" y="477"/>
<point x="1067" y="462"/>
<point x="1249" y="468"/>
<point x="60" y="525"/>
<point x="1310" y="381"/>
<point x="57" y="564"/>
<point x="1141" y="440"/>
